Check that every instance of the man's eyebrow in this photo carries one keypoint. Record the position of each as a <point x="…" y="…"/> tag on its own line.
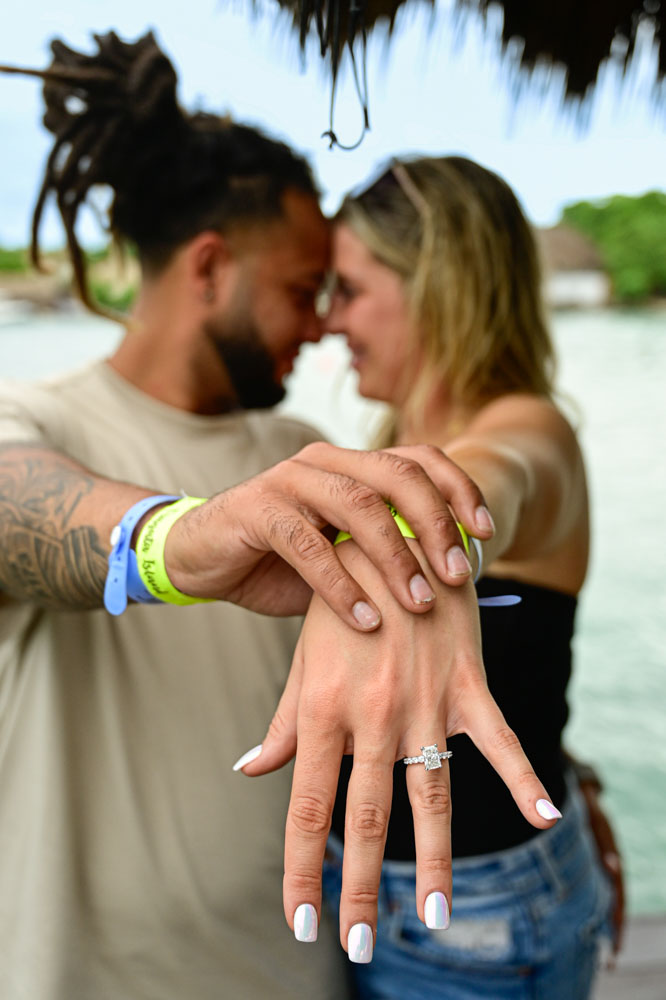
<point x="312" y="277"/>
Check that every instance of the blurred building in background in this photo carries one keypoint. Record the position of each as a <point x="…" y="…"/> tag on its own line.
<point x="574" y="272"/>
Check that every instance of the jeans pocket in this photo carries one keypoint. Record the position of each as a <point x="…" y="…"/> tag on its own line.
<point x="596" y="925"/>
<point x="487" y="935"/>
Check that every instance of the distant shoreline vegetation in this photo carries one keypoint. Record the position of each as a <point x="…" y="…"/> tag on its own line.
<point x="628" y="235"/>
<point x="113" y="278"/>
<point x="13" y="261"/>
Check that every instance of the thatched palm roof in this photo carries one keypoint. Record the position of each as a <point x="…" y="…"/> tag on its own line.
<point x="565" y="249"/>
<point x="577" y="35"/>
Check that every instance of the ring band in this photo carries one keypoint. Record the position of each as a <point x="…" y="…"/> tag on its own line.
<point x="431" y="757"/>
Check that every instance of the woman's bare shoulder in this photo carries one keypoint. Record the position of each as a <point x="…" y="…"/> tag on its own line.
<point x="521" y="419"/>
<point x="518" y="408"/>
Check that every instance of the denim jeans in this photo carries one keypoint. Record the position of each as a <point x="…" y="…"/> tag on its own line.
<point x="526" y="922"/>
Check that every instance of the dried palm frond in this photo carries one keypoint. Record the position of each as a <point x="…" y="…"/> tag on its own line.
<point x="577" y="35"/>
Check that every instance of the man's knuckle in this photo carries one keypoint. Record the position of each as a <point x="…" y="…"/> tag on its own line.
<point x="407" y="470"/>
<point x="308" y="545"/>
<point x="310" y="814"/>
<point x="311" y="452"/>
<point x="368" y="821"/>
<point x="276" y="472"/>
<point x="360" y="496"/>
<point x="440" y="525"/>
<point x="280" y="526"/>
<point x="399" y="560"/>
<point x="430" y="453"/>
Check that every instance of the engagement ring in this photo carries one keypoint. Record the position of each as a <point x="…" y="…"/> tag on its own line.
<point x="431" y="757"/>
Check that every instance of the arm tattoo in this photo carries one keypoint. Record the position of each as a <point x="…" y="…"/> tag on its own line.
<point x="44" y="557"/>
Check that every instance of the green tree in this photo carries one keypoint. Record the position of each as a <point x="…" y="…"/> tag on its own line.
<point x="630" y="234"/>
<point x="119" y="301"/>
<point x="13" y="261"/>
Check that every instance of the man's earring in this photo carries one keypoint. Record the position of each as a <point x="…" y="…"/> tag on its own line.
<point x="208" y="294"/>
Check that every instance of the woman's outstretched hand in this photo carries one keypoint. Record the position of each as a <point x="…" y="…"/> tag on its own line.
<point x="382" y="696"/>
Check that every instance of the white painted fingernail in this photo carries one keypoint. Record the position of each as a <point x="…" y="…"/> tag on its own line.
<point x="248" y="757"/>
<point x="437" y="911"/>
<point x="305" y="923"/>
<point x="547" y="810"/>
<point x="366" y="616"/>
<point x="359" y="944"/>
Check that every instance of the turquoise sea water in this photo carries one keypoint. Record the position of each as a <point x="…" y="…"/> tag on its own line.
<point x="613" y="364"/>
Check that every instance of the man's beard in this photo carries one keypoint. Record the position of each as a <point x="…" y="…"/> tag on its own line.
<point x="249" y="365"/>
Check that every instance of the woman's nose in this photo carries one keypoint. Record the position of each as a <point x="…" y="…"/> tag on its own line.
<point x="333" y="317"/>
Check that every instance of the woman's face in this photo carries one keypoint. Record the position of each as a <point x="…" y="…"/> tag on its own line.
<point x="369" y="307"/>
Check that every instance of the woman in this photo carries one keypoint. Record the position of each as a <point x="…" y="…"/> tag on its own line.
<point x="438" y="294"/>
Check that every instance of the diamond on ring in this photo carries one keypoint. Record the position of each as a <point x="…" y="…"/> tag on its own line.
<point x="431" y="757"/>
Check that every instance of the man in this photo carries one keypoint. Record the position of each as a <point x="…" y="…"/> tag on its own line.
<point x="133" y="863"/>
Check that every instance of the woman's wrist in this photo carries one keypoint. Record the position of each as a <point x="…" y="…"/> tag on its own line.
<point x="471" y="545"/>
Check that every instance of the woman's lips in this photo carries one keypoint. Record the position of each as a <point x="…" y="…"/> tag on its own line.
<point x="358" y="355"/>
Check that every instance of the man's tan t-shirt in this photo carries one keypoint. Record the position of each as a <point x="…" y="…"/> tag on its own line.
<point x="134" y="864"/>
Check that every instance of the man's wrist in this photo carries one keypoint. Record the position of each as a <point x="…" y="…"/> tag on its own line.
<point x="150" y="552"/>
<point x="144" y="520"/>
<point x="122" y="581"/>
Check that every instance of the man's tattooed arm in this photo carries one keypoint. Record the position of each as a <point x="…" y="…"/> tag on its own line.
<point x="55" y="521"/>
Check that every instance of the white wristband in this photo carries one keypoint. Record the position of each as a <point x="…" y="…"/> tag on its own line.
<point x="479" y="556"/>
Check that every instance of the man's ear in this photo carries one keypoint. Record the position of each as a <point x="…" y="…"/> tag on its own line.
<point x="209" y="265"/>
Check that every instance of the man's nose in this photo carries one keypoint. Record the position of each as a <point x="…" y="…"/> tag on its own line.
<point x="314" y="329"/>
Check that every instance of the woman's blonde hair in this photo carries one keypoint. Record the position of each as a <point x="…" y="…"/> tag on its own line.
<point x="456" y="234"/>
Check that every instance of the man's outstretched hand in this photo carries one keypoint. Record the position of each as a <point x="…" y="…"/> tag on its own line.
<point x="265" y="545"/>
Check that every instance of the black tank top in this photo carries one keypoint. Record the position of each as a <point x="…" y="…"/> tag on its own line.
<point x="527" y="655"/>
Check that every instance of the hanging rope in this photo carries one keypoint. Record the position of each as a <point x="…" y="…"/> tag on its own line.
<point x="361" y="85"/>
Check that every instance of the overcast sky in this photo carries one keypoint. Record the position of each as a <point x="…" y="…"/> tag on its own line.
<point x="428" y="94"/>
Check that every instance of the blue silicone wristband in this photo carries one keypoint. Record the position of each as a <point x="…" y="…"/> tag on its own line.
<point x="123" y="580"/>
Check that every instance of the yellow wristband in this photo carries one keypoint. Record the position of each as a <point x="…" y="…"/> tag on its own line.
<point x="405" y="530"/>
<point x="477" y="548"/>
<point x="464" y="536"/>
<point x="150" y="553"/>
